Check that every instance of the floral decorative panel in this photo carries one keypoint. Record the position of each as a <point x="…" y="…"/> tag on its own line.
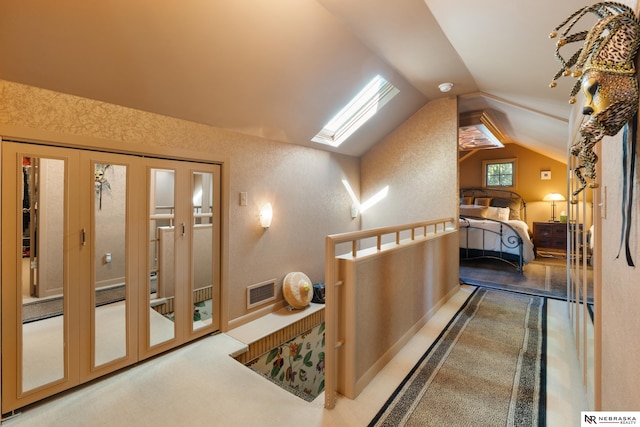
<point x="297" y="366"/>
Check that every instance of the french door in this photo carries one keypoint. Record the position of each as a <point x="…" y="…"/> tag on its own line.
<point x="107" y="259"/>
<point x="181" y="278"/>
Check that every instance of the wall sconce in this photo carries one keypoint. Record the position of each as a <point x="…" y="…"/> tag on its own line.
<point x="266" y="215"/>
<point x="553" y="198"/>
<point x="355" y="207"/>
<point x="358" y="207"/>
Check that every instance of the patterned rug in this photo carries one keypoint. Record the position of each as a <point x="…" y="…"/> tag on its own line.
<point x="487" y="367"/>
<point x="545" y="277"/>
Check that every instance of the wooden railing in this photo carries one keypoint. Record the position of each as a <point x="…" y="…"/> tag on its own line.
<point x="363" y="244"/>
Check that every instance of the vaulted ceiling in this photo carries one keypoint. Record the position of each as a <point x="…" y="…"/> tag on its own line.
<point x="281" y="69"/>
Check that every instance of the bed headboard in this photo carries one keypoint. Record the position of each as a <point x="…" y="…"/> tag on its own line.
<point x="496" y="197"/>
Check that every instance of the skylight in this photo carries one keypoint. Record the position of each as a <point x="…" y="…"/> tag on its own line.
<point x="361" y="108"/>
<point x="478" y="131"/>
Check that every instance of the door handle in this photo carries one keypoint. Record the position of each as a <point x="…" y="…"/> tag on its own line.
<point x="83" y="237"/>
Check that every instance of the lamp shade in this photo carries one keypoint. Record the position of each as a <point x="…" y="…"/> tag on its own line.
<point x="553" y="197"/>
<point x="266" y="214"/>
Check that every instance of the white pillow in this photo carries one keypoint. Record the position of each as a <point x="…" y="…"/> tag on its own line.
<point x="504" y="214"/>
<point x="501" y="214"/>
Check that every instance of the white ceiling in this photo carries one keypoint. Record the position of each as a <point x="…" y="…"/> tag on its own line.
<point x="281" y="68"/>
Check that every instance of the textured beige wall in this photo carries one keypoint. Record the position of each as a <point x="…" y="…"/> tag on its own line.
<point x="418" y="161"/>
<point x="620" y="288"/>
<point x="303" y="184"/>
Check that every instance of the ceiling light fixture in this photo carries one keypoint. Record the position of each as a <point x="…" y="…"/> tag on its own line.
<point x="445" y="87"/>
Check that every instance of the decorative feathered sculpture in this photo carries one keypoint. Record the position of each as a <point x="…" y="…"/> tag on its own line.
<point x="605" y="69"/>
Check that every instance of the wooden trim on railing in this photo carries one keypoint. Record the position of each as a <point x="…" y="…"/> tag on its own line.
<point x="428" y="230"/>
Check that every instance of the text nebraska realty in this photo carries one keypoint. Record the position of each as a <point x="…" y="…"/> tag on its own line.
<point x="609" y="419"/>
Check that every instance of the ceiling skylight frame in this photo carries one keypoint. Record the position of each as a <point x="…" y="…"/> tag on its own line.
<point x="478" y="130"/>
<point x="356" y="113"/>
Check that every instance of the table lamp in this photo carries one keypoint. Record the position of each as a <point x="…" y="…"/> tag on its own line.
<point x="553" y="198"/>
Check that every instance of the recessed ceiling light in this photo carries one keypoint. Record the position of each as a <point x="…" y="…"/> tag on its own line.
<point x="445" y="87"/>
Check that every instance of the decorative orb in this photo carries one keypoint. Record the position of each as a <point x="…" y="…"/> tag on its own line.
<point x="297" y="289"/>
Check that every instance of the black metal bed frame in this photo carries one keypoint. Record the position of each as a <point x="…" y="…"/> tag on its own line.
<point x="507" y="241"/>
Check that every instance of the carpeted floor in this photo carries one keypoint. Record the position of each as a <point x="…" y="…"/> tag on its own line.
<point x="200" y="384"/>
<point x="488" y="367"/>
<point x="543" y="276"/>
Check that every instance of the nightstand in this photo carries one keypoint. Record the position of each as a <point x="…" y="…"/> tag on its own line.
<point x="550" y="236"/>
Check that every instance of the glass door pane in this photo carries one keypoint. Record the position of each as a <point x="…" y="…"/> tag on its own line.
<point x="109" y="262"/>
<point x="202" y="262"/>
<point x="42" y="276"/>
<point x="162" y="265"/>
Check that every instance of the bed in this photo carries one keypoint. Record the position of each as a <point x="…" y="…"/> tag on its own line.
<point x="493" y="225"/>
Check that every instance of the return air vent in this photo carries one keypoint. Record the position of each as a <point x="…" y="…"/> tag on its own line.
<point x="261" y="293"/>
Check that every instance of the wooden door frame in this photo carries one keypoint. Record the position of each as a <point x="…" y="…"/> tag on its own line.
<point x="9" y="273"/>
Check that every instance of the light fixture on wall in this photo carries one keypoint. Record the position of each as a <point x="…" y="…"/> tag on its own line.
<point x="355" y="206"/>
<point x="553" y="198"/>
<point x="266" y="215"/>
<point x="358" y="207"/>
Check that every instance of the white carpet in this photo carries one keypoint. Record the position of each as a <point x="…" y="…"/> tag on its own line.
<point x="43" y="358"/>
<point x="201" y="385"/>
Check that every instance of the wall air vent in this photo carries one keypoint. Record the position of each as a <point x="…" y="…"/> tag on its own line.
<point x="261" y="293"/>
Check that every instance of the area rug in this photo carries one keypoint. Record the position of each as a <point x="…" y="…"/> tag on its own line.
<point x="545" y="277"/>
<point x="487" y="367"/>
